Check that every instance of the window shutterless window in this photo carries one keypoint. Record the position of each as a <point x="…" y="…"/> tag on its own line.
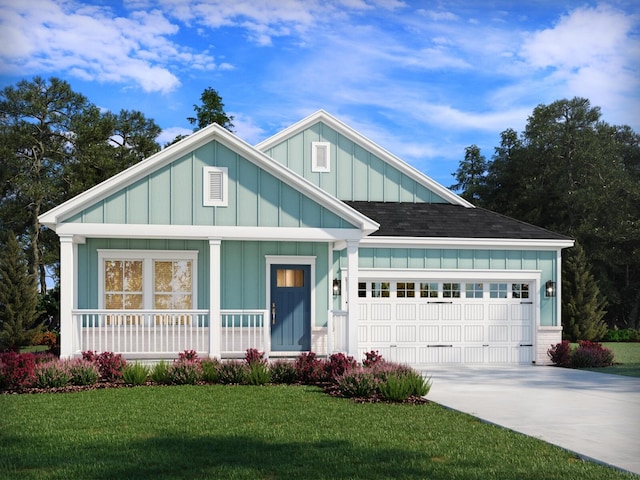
<point x="451" y="290"/>
<point x="474" y="290"/>
<point x="519" y="290"/>
<point x="497" y="290"/>
<point x="380" y="289"/>
<point x="405" y="290"/>
<point x="428" y="290"/>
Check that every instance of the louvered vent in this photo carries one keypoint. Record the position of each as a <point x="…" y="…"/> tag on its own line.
<point x="215" y="180"/>
<point x="320" y="157"/>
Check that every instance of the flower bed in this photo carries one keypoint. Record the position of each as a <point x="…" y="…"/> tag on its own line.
<point x="340" y="375"/>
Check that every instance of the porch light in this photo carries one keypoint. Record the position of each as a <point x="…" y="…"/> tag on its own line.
<point x="550" y="289"/>
<point x="337" y="287"/>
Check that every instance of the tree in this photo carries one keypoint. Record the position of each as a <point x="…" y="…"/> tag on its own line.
<point x="583" y="305"/>
<point x="573" y="173"/>
<point x="35" y="124"/>
<point x="211" y="111"/>
<point x="470" y="174"/>
<point x="18" y="297"/>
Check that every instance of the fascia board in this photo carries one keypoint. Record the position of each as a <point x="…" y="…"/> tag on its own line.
<point x="466" y="243"/>
<point x="367" y="144"/>
<point x="201" y="232"/>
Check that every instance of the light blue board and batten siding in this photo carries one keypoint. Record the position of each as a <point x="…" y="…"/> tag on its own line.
<point x="356" y="174"/>
<point x="461" y="259"/>
<point x="243" y="267"/>
<point x="173" y="195"/>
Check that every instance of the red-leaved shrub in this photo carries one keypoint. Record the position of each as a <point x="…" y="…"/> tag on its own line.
<point x="337" y="364"/>
<point x="17" y="370"/>
<point x="309" y="369"/>
<point x="109" y="364"/>
<point x="591" y="355"/>
<point x="560" y="354"/>
<point x="372" y="358"/>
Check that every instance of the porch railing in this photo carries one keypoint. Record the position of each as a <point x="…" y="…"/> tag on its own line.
<point x="165" y="333"/>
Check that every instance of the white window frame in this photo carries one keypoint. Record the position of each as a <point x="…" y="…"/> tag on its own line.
<point x="207" y="201"/>
<point x="315" y="167"/>
<point x="147" y="257"/>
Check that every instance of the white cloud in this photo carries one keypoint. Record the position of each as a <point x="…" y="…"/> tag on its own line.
<point x="92" y="43"/>
<point x="168" y="134"/>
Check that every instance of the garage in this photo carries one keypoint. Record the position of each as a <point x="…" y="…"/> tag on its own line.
<point x="429" y="320"/>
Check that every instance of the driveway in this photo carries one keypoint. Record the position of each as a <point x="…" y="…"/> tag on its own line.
<point x="594" y="415"/>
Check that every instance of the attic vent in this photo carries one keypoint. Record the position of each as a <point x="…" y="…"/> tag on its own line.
<point x="320" y="157"/>
<point x="215" y="186"/>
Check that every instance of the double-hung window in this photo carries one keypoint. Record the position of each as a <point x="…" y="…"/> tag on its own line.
<point x="147" y="280"/>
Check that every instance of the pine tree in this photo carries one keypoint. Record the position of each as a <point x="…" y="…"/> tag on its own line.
<point x="583" y="305"/>
<point x="18" y="297"/>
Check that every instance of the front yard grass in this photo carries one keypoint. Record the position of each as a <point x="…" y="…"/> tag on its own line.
<point x="275" y="432"/>
<point x="626" y="358"/>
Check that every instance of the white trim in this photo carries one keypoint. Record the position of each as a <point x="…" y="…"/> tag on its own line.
<point x="315" y="148"/>
<point x="147" y="257"/>
<point x="68" y="278"/>
<point x="208" y="199"/>
<point x="292" y="260"/>
<point x="468" y="243"/>
<point x="364" y="142"/>
<point x="210" y="133"/>
<point x="215" y="275"/>
<point x="204" y="232"/>
<point x="435" y="275"/>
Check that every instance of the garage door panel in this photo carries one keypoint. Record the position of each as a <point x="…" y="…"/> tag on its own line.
<point x="497" y="354"/>
<point x="474" y="355"/>
<point x="521" y="334"/>
<point x="429" y="312"/>
<point x="406" y="333"/>
<point x="429" y="333"/>
<point x="405" y="312"/>
<point x="381" y="311"/>
<point x="440" y="355"/>
<point x="522" y="354"/>
<point x="474" y="333"/>
<point x="474" y="313"/>
<point x="381" y="333"/>
<point x="451" y="333"/>
<point x="498" y="333"/>
<point x="406" y="355"/>
<point x="522" y="312"/>
<point x="450" y="311"/>
<point x="497" y="312"/>
<point x="364" y="311"/>
<point x="363" y="333"/>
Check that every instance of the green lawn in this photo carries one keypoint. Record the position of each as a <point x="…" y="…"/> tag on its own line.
<point x="276" y="432"/>
<point x="627" y="358"/>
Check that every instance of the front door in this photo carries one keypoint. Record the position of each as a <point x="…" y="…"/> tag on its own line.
<point x="290" y="308"/>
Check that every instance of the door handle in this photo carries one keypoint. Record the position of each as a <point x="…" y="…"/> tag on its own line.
<point x="273" y="313"/>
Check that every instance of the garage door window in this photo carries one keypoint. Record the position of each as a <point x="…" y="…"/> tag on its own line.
<point x="406" y="290"/>
<point x="498" y="290"/>
<point x="451" y="290"/>
<point x="428" y="290"/>
<point x="519" y="290"/>
<point x="474" y="290"/>
<point x="380" y="289"/>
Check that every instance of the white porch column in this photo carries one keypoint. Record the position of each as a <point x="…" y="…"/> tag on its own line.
<point x="68" y="331"/>
<point x="215" y="323"/>
<point x="353" y="305"/>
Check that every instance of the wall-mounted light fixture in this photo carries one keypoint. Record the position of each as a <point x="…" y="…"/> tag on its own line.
<point x="337" y="287"/>
<point x="550" y="289"/>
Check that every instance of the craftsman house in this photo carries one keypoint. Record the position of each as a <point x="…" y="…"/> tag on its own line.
<point x="316" y="239"/>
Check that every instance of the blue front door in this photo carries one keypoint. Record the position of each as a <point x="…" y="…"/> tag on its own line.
<point x="290" y="308"/>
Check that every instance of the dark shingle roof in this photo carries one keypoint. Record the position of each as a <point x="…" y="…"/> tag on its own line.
<point x="447" y="221"/>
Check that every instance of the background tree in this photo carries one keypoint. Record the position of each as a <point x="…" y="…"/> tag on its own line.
<point x="470" y="174"/>
<point x="573" y="173"/>
<point x="18" y="297"/>
<point x="583" y="305"/>
<point x="211" y="111"/>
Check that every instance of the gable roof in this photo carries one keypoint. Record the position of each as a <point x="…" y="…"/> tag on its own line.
<point x="439" y="220"/>
<point x="356" y="137"/>
<point x="210" y="133"/>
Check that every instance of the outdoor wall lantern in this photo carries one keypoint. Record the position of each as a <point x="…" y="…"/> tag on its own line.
<point x="337" y="287"/>
<point x="550" y="289"/>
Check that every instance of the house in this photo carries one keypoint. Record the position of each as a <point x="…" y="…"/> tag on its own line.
<point x="316" y="239"/>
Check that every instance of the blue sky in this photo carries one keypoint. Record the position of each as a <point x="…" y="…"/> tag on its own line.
<point x="424" y="79"/>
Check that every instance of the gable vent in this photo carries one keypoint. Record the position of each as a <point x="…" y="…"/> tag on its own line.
<point x="215" y="183"/>
<point x="320" y="157"/>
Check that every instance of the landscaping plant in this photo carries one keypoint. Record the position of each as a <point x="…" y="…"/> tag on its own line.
<point x="587" y="355"/>
<point x="135" y="374"/>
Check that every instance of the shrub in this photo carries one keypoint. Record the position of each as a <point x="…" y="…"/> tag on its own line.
<point x="83" y="372"/>
<point x="283" y="372"/>
<point x="210" y="370"/>
<point x="185" y="372"/>
<point x="135" y="374"/>
<point x="110" y="365"/>
<point x="160" y="373"/>
<point x="233" y="372"/>
<point x="372" y="358"/>
<point x="622" y="335"/>
<point x="309" y="369"/>
<point x="337" y="364"/>
<point x="258" y="374"/>
<point x="358" y="383"/>
<point x="591" y="355"/>
<point x="17" y="370"/>
<point x="253" y="356"/>
<point x="560" y="354"/>
<point x="50" y="339"/>
<point x="53" y="374"/>
<point x="400" y="384"/>
<point x="188" y="355"/>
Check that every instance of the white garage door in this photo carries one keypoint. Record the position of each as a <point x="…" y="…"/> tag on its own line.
<point x="429" y="322"/>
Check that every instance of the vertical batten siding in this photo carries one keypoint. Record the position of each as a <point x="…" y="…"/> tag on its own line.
<point x="356" y="174"/>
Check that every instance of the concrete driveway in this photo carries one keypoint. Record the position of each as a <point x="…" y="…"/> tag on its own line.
<point x="594" y="415"/>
